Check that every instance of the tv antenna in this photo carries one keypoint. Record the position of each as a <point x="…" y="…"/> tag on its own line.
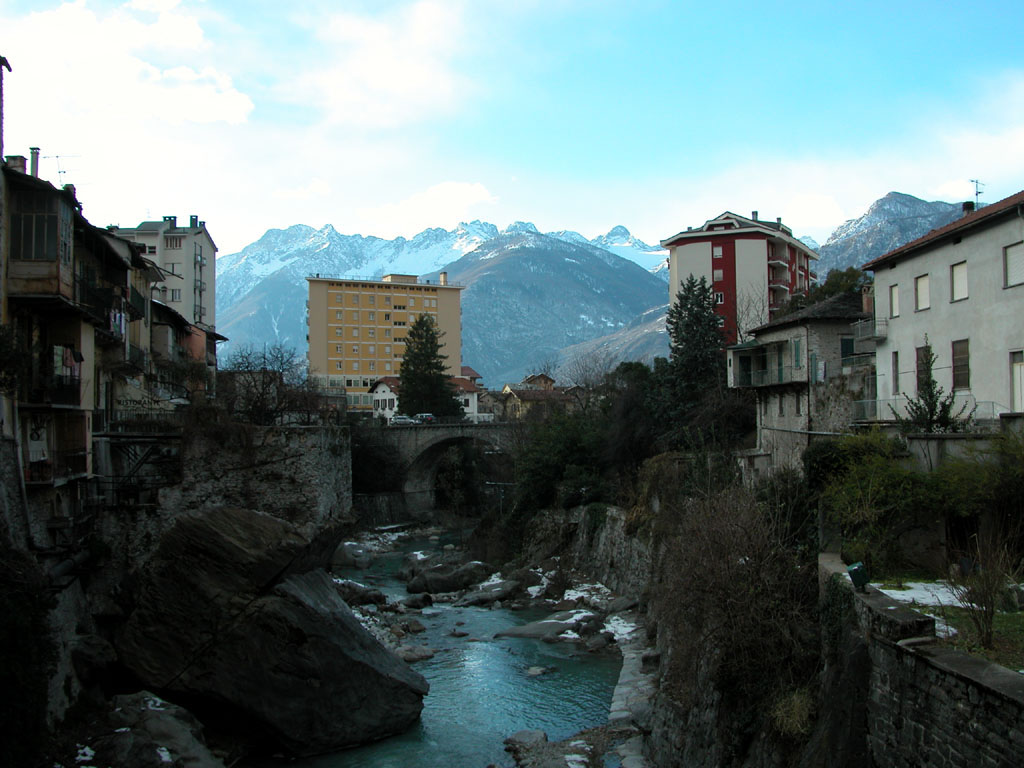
<point x="60" y="170"/>
<point x="977" y="190"/>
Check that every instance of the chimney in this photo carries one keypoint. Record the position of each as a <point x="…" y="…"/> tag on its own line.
<point x="443" y="278"/>
<point x="968" y="207"/>
<point x="778" y="220"/>
<point x="35" y="161"/>
<point x="753" y="215"/>
<point x="70" y="189"/>
<point x="193" y="222"/>
<point x="17" y="163"/>
<point x="172" y="220"/>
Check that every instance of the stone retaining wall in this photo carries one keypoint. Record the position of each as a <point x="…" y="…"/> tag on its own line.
<point x="928" y="705"/>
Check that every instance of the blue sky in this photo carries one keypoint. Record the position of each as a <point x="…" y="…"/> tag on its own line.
<point x="384" y="117"/>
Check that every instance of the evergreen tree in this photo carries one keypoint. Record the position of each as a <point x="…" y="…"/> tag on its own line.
<point x="425" y="385"/>
<point x="931" y="410"/>
<point x="696" y="340"/>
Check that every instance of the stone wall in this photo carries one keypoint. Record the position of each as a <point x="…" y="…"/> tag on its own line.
<point x="12" y="500"/>
<point x="607" y="553"/>
<point x="926" y="705"/>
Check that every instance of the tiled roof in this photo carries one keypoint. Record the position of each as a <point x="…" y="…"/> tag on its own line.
<point x="469" y="373"/>
<point x="962" y="224"/>
<point x="844" y="306"/>
<point x="464" y="385"/>
<point x="538" y="395"/>
<point x="391" y="381"/>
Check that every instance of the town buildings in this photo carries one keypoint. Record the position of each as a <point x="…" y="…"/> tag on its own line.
<point x="186" y="257"/>
<point x="801" y="367"/>
<point x="960" y="291"/>
<point x="357" y="329"/>
<point x="95" y="366"/>
<point x="754" y="267"/>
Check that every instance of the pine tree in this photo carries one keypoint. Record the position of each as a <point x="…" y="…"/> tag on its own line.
<point x="695" y="340"/>
<point x="425" y="385"/>
<point x="931" y="410"/>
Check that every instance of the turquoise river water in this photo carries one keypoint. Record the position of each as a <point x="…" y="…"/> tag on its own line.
<point x="480" y="692"/>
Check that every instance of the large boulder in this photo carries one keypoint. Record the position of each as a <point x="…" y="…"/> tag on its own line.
<point x="227" y="614"/>
<point x="488" y="593"/>
<point x="448" y="578"/>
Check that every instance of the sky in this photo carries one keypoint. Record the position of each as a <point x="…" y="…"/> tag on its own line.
<point x="386" y="117"/>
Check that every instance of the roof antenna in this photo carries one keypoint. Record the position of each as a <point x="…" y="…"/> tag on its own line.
<point x="977" y="192"/>
<point x="60" y="170"/>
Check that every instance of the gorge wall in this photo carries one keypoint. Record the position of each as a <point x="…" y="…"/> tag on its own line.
<point x="886" y="694"/>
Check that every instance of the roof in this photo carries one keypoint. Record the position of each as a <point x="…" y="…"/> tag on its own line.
<point x="743" y="225"/>
<point x="464" y="385"/>
<point x="932" y="239"/>
<point x="469" y="373"/>
<point x="844" y="306"/>
<point x="392" y="382"/>
<point x="538" y="395"/>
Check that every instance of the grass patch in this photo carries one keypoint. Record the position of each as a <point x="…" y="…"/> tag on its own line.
<point x="1007" y="636"/>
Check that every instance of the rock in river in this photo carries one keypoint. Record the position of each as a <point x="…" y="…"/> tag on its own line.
<point x="219" y="617"/>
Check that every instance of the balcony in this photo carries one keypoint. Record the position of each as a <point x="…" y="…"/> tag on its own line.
<point x="137" y="358"/>
<point x="767" y="377"/>
<point x="96" y="299"/>
<point x="864" y="360"/>
<point x="143" y="422"/>
<point x="45" y="467"/>
<point x="872" y="328"/>
<point x="885" y="409"/>
<point x="137" y="304"/>
<point x="55" y="390"/>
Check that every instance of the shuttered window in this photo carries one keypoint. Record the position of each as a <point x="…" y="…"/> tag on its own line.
<point x="961" y="364"/>
<point x="1013" y="258"/>
<point x="922" y="368"/>
<point x="958" y="281"/>
<point x="894" y="301"/>
<point x="922" y="293"/>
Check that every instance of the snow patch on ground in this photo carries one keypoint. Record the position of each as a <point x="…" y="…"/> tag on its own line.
<point x="922" y="593"/>
<point x="595" y="595"/>
<point x="493" y="579"/>
<point x="620" y="627"/>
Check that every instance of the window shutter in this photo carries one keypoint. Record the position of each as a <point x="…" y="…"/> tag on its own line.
<point x="1014" y="256"/>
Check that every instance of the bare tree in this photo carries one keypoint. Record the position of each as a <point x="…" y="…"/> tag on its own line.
<point x="586" y="373"/>
<point x="262" y="384"/>
<point x="751" y="311"/>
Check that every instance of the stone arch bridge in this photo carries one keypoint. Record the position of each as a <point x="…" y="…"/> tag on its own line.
<point x="418" y="450"/>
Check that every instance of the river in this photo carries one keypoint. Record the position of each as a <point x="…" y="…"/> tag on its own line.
<point x="480" y="691"/>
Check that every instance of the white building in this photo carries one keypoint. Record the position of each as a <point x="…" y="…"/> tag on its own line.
<point x="962" y="286"/>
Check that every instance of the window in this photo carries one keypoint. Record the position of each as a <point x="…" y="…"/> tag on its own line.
<point x="175" y="268"/>
<point x="339" y="365"/>
<point x="961" y="364"/>
<point x="716" y="251"/>
<point x="173" y="242"/>
<point x="41" y="227"/>
<point x="958" y="281"/>
<point x="355" y="299"/>
<point x="716" y="275"/>
<point x="922" y="297"/>
<point x="338" y="315"/>
<point x="355" y="315"/>
<point x="797" y="356"/>
<point x="371" y="316"/>
<point x="412" y="301"/>
<point x="175" y="294"/>
<point x="387" y="366"/>
<point x="721" y="321"/>
<point x="1013" y="264"/>
<point x="355" y="349"/>
<point x="387" y="317"/>
<point x="355" y="365"/>
<point x="150" y="249"/>
<point x="355" y="333"/>
<point x="371" y="332"/>
<point x="387" y="333"/>
<point x="339" y="331"/>
<point x="387" y="349"/>
<point x="372" y="301"/>
<point x="922" y="368"/>
<point x="387" y="301"/>
<point x="895" y="373"/>
<point x="894" y="301"/>
<point x="371" y="349"/>
<point x="339" y="349"/>
<point x="846" y="349"/>
<point x="371" y="365"/>
<point x="719" y="298"/>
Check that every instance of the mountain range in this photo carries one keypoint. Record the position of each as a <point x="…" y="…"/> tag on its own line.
<point x="531" y="298"/>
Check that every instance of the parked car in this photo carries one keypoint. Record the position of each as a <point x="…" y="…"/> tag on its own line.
<point x="425" y="418"/>
<point x="400" y="419"/>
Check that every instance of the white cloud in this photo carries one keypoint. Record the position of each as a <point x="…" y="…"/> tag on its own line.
<point x="316" y="188"/>
<point x="386" y="71"/>
<point x="444" y="204"/>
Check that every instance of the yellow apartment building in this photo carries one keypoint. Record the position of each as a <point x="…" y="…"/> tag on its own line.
<point x="357" y="329"/>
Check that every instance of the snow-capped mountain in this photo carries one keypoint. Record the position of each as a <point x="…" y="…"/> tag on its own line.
<point x="262" y="290"/>
<point x="889" y="223"/>
<point x="529" y="295"/>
